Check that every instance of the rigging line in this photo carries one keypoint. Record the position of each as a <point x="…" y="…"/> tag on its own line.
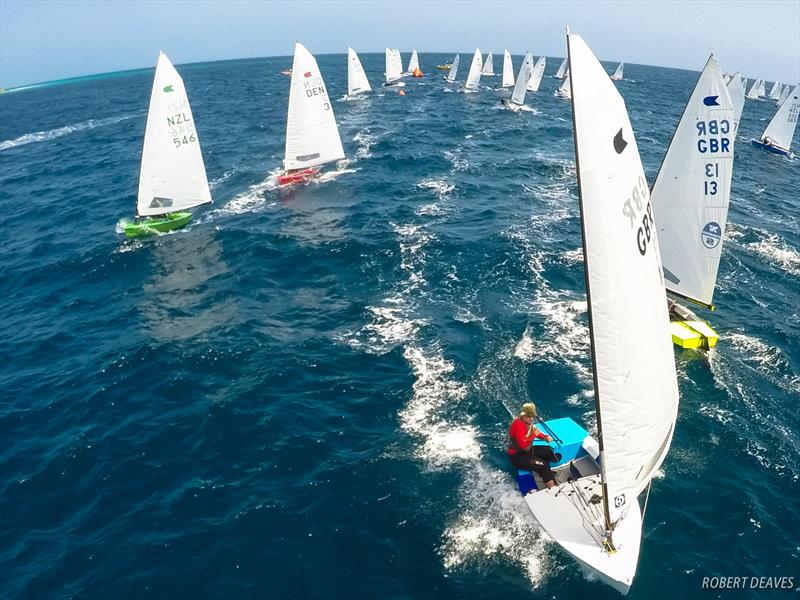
<point x="646" y="498"/>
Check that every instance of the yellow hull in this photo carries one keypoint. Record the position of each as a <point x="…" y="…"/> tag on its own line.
<point x="693" y="334"/>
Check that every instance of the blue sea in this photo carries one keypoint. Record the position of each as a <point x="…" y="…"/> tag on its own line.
<point x="305" y="393"/>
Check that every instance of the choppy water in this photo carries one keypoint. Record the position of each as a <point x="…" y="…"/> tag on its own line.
<point x="305" y="393"/>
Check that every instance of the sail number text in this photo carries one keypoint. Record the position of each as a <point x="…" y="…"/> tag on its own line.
<point x="181" y="129"/>
<point x="314" y="86"/>
<point x="710" y="183"/>
<point x="638" y="209"/>
<point x="712" y="136"/>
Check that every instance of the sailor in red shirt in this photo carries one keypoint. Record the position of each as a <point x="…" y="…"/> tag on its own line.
<point x="523" y="454"/>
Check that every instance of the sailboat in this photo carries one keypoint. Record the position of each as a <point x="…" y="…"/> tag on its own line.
<point x="474" y="75"/>
<point x="757" y="91"/>
<point x="690" y="199"/>
<point x="518" y="96"/>
<point x="312" y="137"/>
<point x="357" y="83"/>
<point x="508" y="70"/>
<point x="488" y="67"/>
<point x="565" y="91"/>
<point x="617" y="76"/>
<point x="394" y="68"/>
<point x="172" y="178"/>
<point x="727" y="78"/>
<point x="536" y="75"/>
<point x="784" y="94"/>
<point x="413" y="66"/>
<point x="593" y="510"/>
<point x="451" y="76"/>
<point x="562" y="69"/>
<point x="777" y="137"/>
<point x="735" y="87"/>
<point x="775" y="91"/>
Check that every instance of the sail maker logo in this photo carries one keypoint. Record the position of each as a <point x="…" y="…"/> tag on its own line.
<point x="711" y="235"/>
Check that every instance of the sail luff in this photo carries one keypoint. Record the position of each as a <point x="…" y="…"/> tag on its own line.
<point x="172" y="174"/>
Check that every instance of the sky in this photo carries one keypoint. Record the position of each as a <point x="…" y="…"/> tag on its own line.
<point x="43" y="40"/>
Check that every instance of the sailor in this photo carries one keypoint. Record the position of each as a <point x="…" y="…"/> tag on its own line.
<point x="521" y="451"/>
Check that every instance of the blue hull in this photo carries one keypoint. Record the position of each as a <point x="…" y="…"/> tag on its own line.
<point x="769" y="148"/>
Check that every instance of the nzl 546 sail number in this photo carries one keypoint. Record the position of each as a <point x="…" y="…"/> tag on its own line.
<point x="638" y="209"/>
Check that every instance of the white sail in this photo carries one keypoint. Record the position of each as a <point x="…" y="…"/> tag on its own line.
<point x="691" y="193"/>
<point x="784" y="94"/>
<point x="736" y="90"/>
<point x="727" y="78"/>
<point x="565" y="90"/>
<point x="508" y="70"/>
<point x="561" y="70"/>
<point x="618" y="73"/>
<point x="312" y="138"/>
<point x="536" y="75"/>
<point x="780" y="130"/>
<point x="488" y="66"/>
<point x="518" y="96"/>
<point x="394" y="65"/>
<point x="451" y="75"/>
<point x="636" y="385"/>
<point x="172" y="176"/>
<point x="356" y="77"/>
<point x="757" y="90"/>
<point x="775" y="92"/>
<point x="474" y="76"/>
<point x="413" y="63"/>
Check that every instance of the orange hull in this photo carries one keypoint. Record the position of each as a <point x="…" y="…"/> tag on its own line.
<point x="297" y="176"/>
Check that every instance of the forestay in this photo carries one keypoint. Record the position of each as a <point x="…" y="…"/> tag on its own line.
<point x="536" y="75"/>
<point x="692" y="189"/>
<point x="172" y="176"/>
<point x="312" y="138"/>
<point x="474" y="76"/>
<point x="636" y="389"/>
<point x="561" y="69"/>
<point x="508" y="70"/>
<point x="488" y="66"/>
<point x="781" y="128"/>
<point x="518" y="96"/>
<point x="356" y="77"/>
<point x="735" y="87"/>
<point x="451" y="76"/>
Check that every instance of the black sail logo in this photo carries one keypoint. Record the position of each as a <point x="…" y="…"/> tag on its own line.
<point x="619" y="143"/>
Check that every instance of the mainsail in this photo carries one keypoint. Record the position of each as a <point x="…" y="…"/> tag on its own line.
<point x="312" y="138"/>
<point x="618" y="73"/>
<point x="508" y="70"/>
<point x="474" y="76"/>
<point x="394" y="65"/>
<point x="775" y="92"/>
<point x="780" y="130"/>
<point x="636" y="389"/>
<point x="451" y="76"/>
<point x="565" y="91"/>
<point x="784" y="94"/>
<point x="172" y="176"/>
<point x="413" y="63"/>
<point x="518" y="96"/>
<point x="691" y="193"/>
<point x="488" y="67"/>
<point x="356" y="77"/>
<point x="757" y="90"/>
<point x="735" y="87"/>
<point x="536" y="75"/>
<point x="561" y="70"/>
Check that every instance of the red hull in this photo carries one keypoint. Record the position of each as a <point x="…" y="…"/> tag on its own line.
<point x="297" y="176"/>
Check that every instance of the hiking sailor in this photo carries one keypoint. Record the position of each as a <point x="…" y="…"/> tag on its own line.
<point x="521" y="451"/>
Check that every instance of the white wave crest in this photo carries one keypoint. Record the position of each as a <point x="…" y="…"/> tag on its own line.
<point x="777" y="252"/>
<point x="44" y="136"/>
<point x="390" y="327"/>
<point x="365" y="141"/>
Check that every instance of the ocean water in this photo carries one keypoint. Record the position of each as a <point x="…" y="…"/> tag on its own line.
<point x="305" y="393"/>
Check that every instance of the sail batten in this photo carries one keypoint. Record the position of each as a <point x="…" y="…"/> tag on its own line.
<point x="173" y="175"/>
<point x="691" y="192"/>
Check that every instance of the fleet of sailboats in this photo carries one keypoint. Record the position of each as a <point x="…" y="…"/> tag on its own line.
<point x="690" y="200"/>
<point x="777" y="137"/>
<point x="617" y="76"/>
<point x="172" y="178"/>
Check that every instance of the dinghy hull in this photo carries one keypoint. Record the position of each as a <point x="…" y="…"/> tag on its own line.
<point x="770" y="148"/>
<point x="689" y="331"/>
<point x="297" y="176"/>
<point x="155" y="225"/>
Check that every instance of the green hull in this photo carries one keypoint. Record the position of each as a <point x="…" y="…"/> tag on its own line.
<point x="156" y="225"/>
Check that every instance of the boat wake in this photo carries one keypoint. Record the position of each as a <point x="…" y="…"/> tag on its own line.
<point x="44" y="136"/>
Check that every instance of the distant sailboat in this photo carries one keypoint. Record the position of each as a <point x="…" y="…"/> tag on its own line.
<point x="413" y="65"/>
<point x="736" y="90"/>
<point x="521" y="86"/>
<point x="775" y="92"/>
<point x="172" y="178"/>
<point x="727" y="78"/>
<point x="565" y="91"/>
<point x="394" y="68"/>
<point x="536" y="75"/>
<point x="778" y="135"/>
<point x="593" y="511"/>
<point x="617" y="76"/>
<point x="784" y="94"/>
<point x="474" y="76"/>
<point x="451" y="76"/>
<point x="312" y="137"/>
<point x="757" y="91"/>
<point x="561" y="70"/>
<point x="690" y="199"/>
<point x="508" y="70"/>
<point x="357" y="82"/>
<point x="488" y="67"/>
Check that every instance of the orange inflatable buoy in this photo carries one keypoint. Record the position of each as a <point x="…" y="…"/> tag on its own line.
<point x="417" y="73"/>
<point x="402" y="93"/>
